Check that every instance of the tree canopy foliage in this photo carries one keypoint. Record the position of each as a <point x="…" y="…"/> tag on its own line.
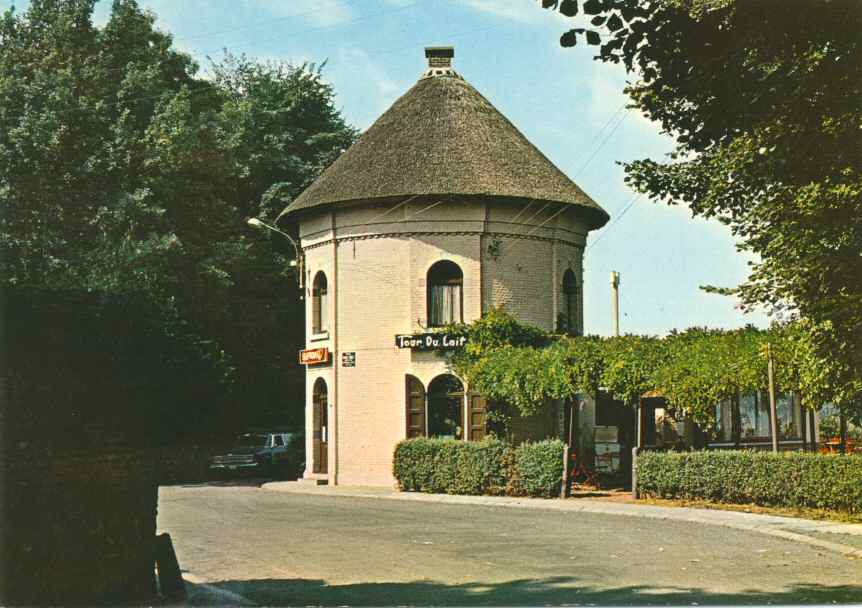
<point x="693" y="369"/>
<point x="125" y="181"/>
<point x="764" y="101"/>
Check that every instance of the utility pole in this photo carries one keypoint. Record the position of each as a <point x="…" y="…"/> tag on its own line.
<point x="773" y="413"/>
<point x="615" y="287"/>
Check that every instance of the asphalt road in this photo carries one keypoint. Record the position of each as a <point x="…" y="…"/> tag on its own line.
<point x="288" y="549"/>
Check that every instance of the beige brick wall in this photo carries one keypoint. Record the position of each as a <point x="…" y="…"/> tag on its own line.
<point x="374" y="305"/>
<point x="521" y="280"/>
<point x="377" y="271"/>
<point x="523" y="274"/>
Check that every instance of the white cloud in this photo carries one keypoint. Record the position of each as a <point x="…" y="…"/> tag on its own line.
<point x="524" y="11"/>
<point x="319" y="12"/>
<point x="359" y="69"/>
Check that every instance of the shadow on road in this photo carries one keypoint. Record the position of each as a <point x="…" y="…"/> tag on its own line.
<point x="549" y="591"/>
<point x="239" y="482"/>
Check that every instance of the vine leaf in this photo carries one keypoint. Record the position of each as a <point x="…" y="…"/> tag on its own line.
<point x="570" y="38"/>
<point x="569" y="8"/>
<point x="593" y="7"/>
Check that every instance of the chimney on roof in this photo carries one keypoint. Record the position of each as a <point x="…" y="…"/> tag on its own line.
<point x="439" y="56"/>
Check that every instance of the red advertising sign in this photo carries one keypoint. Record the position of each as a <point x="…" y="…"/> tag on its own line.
<point x="314" y="356"/>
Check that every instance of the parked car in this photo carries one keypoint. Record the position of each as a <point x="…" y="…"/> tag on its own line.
<point x="263" y="454"/>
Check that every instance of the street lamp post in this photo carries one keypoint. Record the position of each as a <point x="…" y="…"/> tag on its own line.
<point x="298" y="260"/>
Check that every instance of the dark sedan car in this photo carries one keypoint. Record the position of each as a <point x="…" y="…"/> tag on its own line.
<point x="263" y="454"/>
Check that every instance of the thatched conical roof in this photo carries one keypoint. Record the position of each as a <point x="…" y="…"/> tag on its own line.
<point x="442" y="137"/>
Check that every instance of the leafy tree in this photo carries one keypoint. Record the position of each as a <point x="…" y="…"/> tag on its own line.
<point x="630" y="365"/>
<point x="830" y="428"/>
<point x="763" y="100"/>
<point x="692" y="370"/>
<point x="125" y="182"/>
<point x="704" y="367"/>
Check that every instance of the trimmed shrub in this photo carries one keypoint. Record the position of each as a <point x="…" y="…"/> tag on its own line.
<point x="539" y="467"/>
<point x="450" y="466"/>
<point x="786" y="479"/>
<point x="489" y="466"/>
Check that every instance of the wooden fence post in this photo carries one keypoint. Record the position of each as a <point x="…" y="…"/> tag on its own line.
<point x="568" y="449"/>
<point x="842" y="432"/>
<point x="813" y="428"/>
<point x="566" y="489"/>
<point x="773" y="412"/>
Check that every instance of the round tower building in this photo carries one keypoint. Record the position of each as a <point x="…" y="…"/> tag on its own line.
<point x="440" y="211"/>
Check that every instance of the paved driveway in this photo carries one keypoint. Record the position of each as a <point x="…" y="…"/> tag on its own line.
<point x="290" y="549"/>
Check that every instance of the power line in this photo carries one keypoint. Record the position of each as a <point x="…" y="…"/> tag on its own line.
<point x="431" y="206"/>
<point x="537" y="213"/>
<point x="391" y="209"/>
<point x="515" y="242"/>
<point x="618" y="218"/>
<point x="522" y="211"/>
<point x="608" y="121"/>
<point x="602" y="144"/>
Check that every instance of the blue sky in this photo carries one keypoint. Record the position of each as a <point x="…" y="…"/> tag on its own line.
<point x="568" y="105"/>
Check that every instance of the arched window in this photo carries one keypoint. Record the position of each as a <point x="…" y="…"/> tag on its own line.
<point x="445" y="283"/>
<point x="319" y="304"/>
<point x="445" y="407"/>
<point x="569" y="314"/>
<point x="320" y="417"/>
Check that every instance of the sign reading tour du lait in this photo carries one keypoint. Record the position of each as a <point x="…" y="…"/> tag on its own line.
<point x="430" y="341"/>
<point x="314" y="356"/>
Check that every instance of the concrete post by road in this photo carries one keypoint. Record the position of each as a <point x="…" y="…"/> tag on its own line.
<point x="615" y="286"/>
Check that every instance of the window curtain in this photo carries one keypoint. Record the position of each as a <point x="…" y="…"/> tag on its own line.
<point x="323" y="313"/>
<point x="788" y="416"/>
<point x="754" y="416"/>
<point x="319" y="313"/>
<point x="445" y="304"/>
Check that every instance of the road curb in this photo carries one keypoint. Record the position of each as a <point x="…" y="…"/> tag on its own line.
<point x="769" y="525"/>
<point x="229" y="597"/>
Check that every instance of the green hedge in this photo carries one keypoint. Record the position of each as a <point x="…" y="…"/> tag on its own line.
<point x="787" y="479"/>
<point x="540" y="467"/>
<point x="489" y="466"/>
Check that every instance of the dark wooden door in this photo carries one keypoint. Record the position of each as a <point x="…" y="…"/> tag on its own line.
<point x="415" y="404"/>
<point x="321" y="428"/>
<point x="478" y="406"/>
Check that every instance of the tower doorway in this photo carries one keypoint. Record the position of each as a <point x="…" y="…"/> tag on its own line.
<point x="320" y="407"/>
